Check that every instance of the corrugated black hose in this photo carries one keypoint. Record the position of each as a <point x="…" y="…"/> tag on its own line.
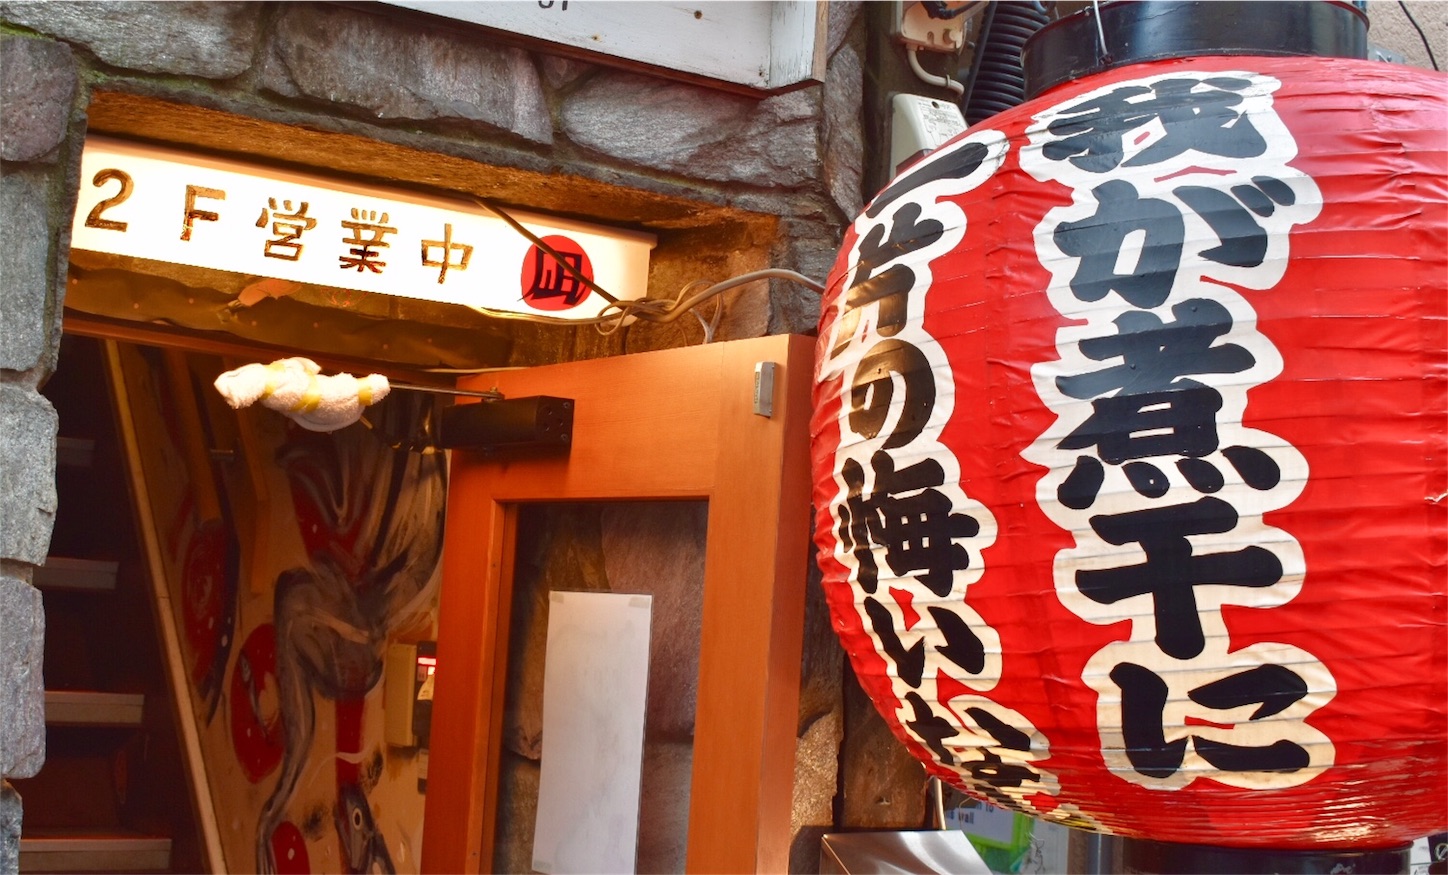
<point x="997" y="82"/>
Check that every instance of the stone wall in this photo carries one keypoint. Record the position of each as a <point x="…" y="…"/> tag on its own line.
<point x="694" y="164"/>
<point x="1390" y="26"/>
<point x="38" y="90"/>
<point x="691" y="163"/>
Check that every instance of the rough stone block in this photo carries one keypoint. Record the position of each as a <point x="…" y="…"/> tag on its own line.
<point x="816" y="781"/>
<point x="25" y="249"/>
<point x="27" y="475"/>
<point x="558" y="549"/>
<point x="37" y="84"/>
<point x="393" y="70"/>
<point x="10" y="812"/>
<point x="842" y="18"/>
<point x="746" y="311"/>
<point x="664" y="806"/>
<point x="560" y="72"/>
<point x="675" y="127"/>
<point x="658" y="548"/>
<point x="822" y="666"/>
<point x="809" y="248"/>
<point x="517" y="810"/>
<point x="650" y="121"/>
<point x="844" y="138"/>
<point x="215" y="40"/>
<point x="882" y="786"/>
<point x="22" y="692"/>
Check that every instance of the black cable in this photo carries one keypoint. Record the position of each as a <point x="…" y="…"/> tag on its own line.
<point x="616" y="311"/>
<point x="939" y="10"/>
<point x="1423" y="36"/>
<point x="658" y="310"/>
<point x="553" y="253"/>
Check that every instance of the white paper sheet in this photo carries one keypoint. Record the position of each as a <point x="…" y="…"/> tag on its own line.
<point x="595" y="679"/>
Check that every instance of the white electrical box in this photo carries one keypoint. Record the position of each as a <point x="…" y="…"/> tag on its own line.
<point x="407" y="672"/>
<point x="919" y="126"/>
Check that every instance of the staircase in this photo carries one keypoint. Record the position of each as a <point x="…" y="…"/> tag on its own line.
<point x="112" y="795"/>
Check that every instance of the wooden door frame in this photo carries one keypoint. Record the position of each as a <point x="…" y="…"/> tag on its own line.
<point x="672" y="424"/>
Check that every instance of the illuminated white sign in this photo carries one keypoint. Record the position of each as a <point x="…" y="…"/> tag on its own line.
<point x="171" y="206"/>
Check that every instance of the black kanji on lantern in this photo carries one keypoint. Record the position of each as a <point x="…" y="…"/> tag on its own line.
<point x="1230" y="216"/>
<point x="1181" y="421"/>
<point x="1154" y="354"/>
<point x="907" y="233"/>
<point x="1175" y="115"/>
<point x="930" y="727"/>
<point x="1148" y="409"/>
<point x="1153" y="226"/>
<point x="1143" y="699"/>
<point x="909" y="661"/>
<point x="956" y="163"/>
<point x="913" y="522"/>
<point x="855" y="514"/>
<point x="1078" y="491"/>
<point x="1173" y="569"/>
<point x="1144" y="695"/>
<point x="1257" y="469"/>
<point x="991" y="772"/>
<point x="962" y="646"/>
<point x="872" y="392"/>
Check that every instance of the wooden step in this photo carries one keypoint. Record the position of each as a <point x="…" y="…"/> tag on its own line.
<point x="61" y="572"/>
<point x="91" y="708"/>
<point x="73" y="452"/>
<point x="83" y="850"/>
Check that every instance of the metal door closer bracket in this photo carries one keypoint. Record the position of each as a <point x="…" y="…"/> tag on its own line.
<point x="539" y="422"/>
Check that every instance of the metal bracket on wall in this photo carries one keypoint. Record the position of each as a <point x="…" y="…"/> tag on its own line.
<point x="536" y="422"/>
<point x="933" y="27"/>
<point x="764" y="388"/>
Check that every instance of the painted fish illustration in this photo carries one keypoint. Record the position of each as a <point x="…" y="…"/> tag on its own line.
<point x="363" y="845"/>
<point x="378" y="512"/>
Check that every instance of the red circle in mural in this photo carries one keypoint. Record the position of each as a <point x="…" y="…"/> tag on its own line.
<point x="289" y="849"/>
<point x="549" y="286"/>
<point x="203" y="585"/>
<point x="256" y="730"/>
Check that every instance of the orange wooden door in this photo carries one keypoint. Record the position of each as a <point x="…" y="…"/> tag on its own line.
<point x="677" y="423"/>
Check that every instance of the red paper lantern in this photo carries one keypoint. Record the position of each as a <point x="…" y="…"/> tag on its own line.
<point x="1129" y="454"/>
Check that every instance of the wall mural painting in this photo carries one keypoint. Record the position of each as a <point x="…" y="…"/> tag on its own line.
<point x="313" y="552"/>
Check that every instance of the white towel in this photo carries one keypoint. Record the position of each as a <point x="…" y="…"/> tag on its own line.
<point x="296" y="388"/>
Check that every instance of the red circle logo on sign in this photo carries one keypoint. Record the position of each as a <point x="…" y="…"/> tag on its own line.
<point x="547" y="284"/>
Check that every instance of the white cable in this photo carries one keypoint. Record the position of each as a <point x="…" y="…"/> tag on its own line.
<point x="1100" y="31"/>
<point x="930" y="78"/>
<point x="657" y="310"/>
<point x="711" y="324"/>
<point x="469" y="371"/>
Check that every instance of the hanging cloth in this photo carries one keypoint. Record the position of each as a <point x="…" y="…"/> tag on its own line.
<point x="296" y="388"/>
